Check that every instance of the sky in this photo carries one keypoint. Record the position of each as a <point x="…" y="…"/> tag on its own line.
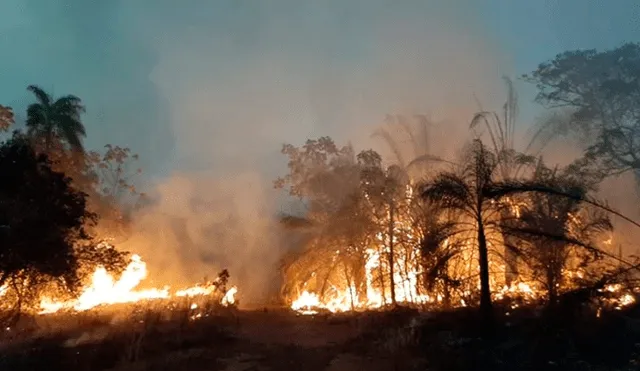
<point x="207" y="91"/>
<point x="234" y="79"/>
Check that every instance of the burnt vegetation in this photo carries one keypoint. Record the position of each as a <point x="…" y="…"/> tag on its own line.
<point x="494" y="259"/>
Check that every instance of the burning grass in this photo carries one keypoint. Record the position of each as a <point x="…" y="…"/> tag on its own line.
<point x="104" y="290"/>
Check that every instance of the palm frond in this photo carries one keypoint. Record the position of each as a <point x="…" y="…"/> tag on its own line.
<point x="483" y="118"/>
<point x="391" y="143"/>
<point x="449" y="191"/>
<point x="528" y="232"/>
<point x="41" y="95"/>
<point x="69" y="104"/>
<point x="36" y="115"/>
<point x="71" y="130"/>
<point x="498" y="190"/>
<point x="424" y="159"/>
<point x="402" y="121"/>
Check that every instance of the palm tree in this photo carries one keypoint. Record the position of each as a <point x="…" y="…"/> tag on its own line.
<point x="511" y="163"/>
<point x="419" y="136"/>
<point x="49" y="119"/>
<point x="464" y="194"/>
<point x="474" y="197"/>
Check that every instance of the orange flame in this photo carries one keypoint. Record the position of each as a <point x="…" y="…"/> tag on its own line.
<point x="105" y="290"/>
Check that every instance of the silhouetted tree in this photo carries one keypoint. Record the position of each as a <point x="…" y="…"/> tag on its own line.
<point x="465" y="195"/>
<point x="501" y="130"/>
<point x="43" y="236"/>
<point x="474" y="199"/>
<point x="601" y="91"/>
<point x="49" y="119"/>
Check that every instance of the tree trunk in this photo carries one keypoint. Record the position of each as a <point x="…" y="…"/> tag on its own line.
<point x="551" y="286"/>
<point x="47" y="141"/>
<point x="486" y="307"/>
<point x="510" y="261"/>
<point x="392" y="283"/>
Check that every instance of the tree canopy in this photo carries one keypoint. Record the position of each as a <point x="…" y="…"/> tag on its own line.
<point x="43" y="220"/>
<point x="601" y="91"/>
<point x="50" y="118"/>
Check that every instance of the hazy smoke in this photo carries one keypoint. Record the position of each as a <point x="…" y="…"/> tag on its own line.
<point x="236" y="93"/>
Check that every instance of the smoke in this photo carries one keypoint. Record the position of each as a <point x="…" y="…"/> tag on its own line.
<point x="238" y="86"/>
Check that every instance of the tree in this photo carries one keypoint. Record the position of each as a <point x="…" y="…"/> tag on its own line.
<point x="554" y="231"/>
<point x="43" y="238"/>
<point x="115" y="174"/>
<point x="49" y="119"/>
<point x="110" y="186"/>
<point x="325" y="178"/>
<point x="510" y="162"/>
<point x="474" y="197"/>
<point x="385" y="190"/>
<point x="438" y="248"/>
<point x="465" y="195"/>
<point x="6" y="118"/>
<point x="601" y="91"/>
<point x="419" y="135"/>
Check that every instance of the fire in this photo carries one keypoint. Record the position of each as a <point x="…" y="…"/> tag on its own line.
<point x="306" y="302"/>
<point x="342" y="288"/>
<point x="105" y="290"/>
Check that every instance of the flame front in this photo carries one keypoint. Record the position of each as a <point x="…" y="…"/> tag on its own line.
<point x="105" y="290"/>
<point x="333" y="280"/>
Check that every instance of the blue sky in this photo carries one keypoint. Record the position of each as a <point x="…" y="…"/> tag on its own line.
<point x="220" y="84"/>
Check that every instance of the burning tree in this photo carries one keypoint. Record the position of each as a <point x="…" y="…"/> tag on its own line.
<point x="471" y="199"/>
<point x="511" y="163"/>
<point x="385" y="191"/>
<point x="558" y="234"/>
<point x="325" y="178"/>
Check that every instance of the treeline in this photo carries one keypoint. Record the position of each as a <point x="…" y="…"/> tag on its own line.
<point x="61" y="206"/>
<point x="462" y="228"/>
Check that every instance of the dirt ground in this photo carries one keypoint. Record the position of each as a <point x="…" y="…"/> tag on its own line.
<point x="278" y="340"/>
<point x="256" y="340"/>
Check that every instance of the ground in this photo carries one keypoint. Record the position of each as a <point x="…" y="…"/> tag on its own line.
<point x="402" y="339"/>
<point x="244" y="341"/>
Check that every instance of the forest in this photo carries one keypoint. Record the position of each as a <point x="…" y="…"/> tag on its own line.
<point x="494" y="257"/>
